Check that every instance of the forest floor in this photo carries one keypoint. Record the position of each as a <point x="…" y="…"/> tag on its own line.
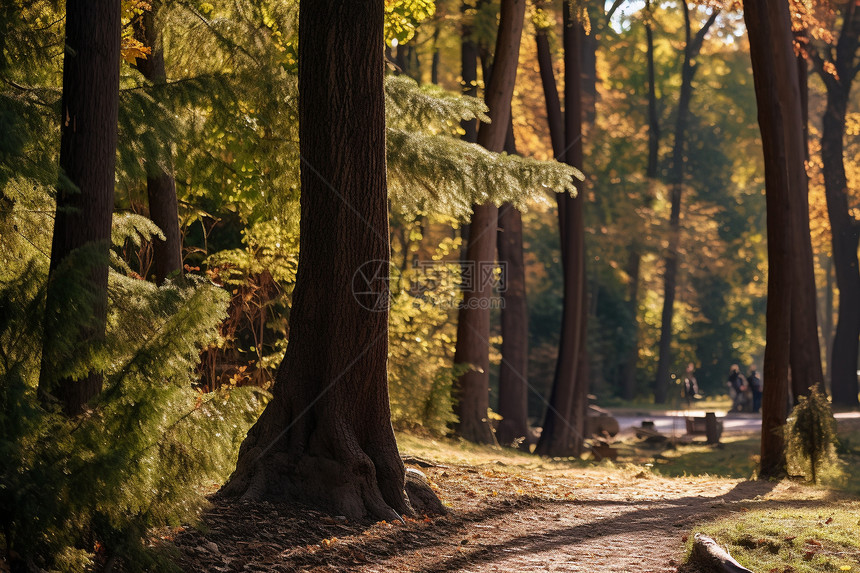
<point x="508" y="512"/>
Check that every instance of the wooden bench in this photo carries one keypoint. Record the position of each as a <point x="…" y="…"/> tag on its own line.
<point x="708" y="426"/>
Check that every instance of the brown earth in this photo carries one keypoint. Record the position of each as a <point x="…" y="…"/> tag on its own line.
<point x="502" y="518"/>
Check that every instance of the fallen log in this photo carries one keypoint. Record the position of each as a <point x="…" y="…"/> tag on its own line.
<point x="707" y="553"/>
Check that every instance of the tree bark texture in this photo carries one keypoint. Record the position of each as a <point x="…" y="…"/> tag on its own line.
<point x="513" y="372"/>
<point x="325" y="439"/>
<point x="89" y="108"/>
<point x="563" y="426"/>
<point x="777" y="95"/>
<point x="471" y="390"/>
<point x="160" y="181"/>
<point x="692" y="47"/>
<point x="845" y="228"/>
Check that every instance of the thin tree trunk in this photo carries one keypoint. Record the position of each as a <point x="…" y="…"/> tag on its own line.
<point x="779" y="114"/>
<point x="692" y="47"/>
<point x="469" y="86"/>
<point x="562" y="432"/>
<point x="89" y="108"/>
<point x="805" y="350"/>
<point x="845" y="236"/>
<point x="513" y="372"/>
<point x="326" y="436"/>
<point x="469" y="74"/>
<point x="434" y="62"/>
<point x="828" y="319"/>
<point x="635" y="250"/>
<point x="471" y="390"/>
<point x="845" y="228"/>
<point x="628" y="372"/>
<point x="160" y="182"/>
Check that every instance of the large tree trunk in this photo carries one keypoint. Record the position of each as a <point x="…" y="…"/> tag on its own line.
<point x="89" y="108"/>
<point x="562" y="432"/>
<point x="628" y="376"/>
<point x="160" y="182"/>
<point x="777" y="95"/>
<point x="471" y="390"/>
<point x="326" y="436"/>
<point x="513" y="375"/>
<point x="692" y="46"/>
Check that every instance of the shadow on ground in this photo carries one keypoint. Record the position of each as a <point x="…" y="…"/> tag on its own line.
<point x="279" y="537"/>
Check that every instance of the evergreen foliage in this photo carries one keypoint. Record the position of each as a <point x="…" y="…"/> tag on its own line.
<point x="811" y="435"/>
<point x="77" y="490"/>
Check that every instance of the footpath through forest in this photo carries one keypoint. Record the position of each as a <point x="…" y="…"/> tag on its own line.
<point x="511" y="513"/>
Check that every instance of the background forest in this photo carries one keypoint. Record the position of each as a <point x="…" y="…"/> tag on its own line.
<point x="208" y="108"/>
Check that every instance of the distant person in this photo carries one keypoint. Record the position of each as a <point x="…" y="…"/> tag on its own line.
<point x="755" y="383"/>
<point x="737" y="387"/>
<point x="691" y="387"/>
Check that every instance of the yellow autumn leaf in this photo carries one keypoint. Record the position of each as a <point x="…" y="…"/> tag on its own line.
<point x="133" y="50"/>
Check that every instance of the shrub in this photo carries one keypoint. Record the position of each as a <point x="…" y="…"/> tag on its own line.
<point x="810" y="435"/>
<point x="74" y="491"/>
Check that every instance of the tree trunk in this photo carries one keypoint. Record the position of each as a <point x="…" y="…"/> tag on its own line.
<point x="628" y="372"/>
<point x="845" y="228"/>
<point x="469" y="75"/>
<point x="160" y="182"/>
<point x="779" y="113"/>
<point x="828" y="319"/>
<point x="692" y="47"/>
<point x="628" y="376"/>
<point x="805" y="349"/>
<point x="469" y="87"/>
<point x="805" y="344"/>
<point x="513" y="380"/>
<point x="434" y="62"/>
<point x="845" y="237"/>
<point x="89" y="108"/>
<point x="563" y="425"/>
<point x="326" y="436"/>
<point x="473" y="327"/>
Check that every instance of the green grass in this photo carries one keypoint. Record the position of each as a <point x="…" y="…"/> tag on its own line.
<point x="810" y="538"/>
<point x="735" y="457"/>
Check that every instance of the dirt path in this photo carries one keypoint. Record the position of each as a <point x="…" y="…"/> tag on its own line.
<point x="503" y="519"/>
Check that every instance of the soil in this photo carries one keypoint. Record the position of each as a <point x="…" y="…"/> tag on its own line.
<point x="502" y="518"/>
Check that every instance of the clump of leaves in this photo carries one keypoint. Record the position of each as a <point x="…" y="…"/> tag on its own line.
<point x="811" y="435"/>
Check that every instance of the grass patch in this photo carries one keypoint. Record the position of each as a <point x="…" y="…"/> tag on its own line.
<point x="735" y="457"/>
<point x="461" y="452"/>
<point x="797" y="539"/>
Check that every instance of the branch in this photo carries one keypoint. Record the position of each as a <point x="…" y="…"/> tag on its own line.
<point x="615" y="6"/>
<point x="700" y="35"/>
